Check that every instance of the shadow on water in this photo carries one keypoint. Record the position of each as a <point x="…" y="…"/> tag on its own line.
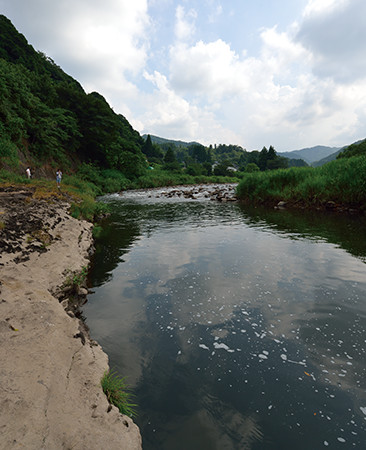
<point x="239" y="328"/>
<point x="345" y="230"/>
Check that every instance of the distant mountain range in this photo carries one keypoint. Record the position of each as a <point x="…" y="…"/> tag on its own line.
<point x="313" y="155"/>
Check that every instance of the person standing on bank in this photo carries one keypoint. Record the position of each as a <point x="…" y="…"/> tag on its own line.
<point x="29" y="173"/>
<point x="58" y="178"/>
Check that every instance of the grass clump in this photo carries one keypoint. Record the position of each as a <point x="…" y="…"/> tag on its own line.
<point x="116" y="390"/>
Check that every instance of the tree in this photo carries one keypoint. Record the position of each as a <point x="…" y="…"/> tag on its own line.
<point x="170" y="161"/>
<point x="262" y="159"/>
<point x="223" y="170"/>
<point x="251" y="167"/>
<point x="198" y="153"/>
<point x="170" y="156"/>
<point x="278" y="163"/>
<point x="148" y="148"/>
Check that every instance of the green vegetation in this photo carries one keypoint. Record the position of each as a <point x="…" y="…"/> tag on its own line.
<point x="46" y="117"/>
<point x="74" y="280"/>
<point x="79" y="277"/>
<point x="116" y="390"/>
<point x="356" y="149"/>
<point x="160" y="177"/>
<point x="222" y="160"/>
<point x="48" y="121"/>
<point x="78" y="192"/>
<point x="342" y="181"/>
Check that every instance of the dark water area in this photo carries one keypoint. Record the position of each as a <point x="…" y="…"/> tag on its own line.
<point x="237" y="328"/>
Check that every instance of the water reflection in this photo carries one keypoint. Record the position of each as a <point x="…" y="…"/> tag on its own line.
<point x="238" y="329"/>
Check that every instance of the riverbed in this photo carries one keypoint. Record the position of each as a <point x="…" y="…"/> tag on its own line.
<point x="237" y="328"/>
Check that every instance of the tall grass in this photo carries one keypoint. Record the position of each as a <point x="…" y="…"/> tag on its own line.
<point x="116" y="390"/>
<point x="342" y="181"/>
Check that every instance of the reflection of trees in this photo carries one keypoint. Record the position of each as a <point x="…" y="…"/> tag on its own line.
<point x="114" y="241"/>
<point x="346" y="230"/>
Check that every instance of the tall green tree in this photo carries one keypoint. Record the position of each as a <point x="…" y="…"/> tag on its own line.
<point x="170" y="161"/>
<point x="262" y="159"/>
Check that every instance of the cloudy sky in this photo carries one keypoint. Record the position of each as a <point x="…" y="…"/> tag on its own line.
<point x="287" y="73"/>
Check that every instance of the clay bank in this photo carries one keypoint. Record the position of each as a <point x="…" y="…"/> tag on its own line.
<point x="50" y="394"/>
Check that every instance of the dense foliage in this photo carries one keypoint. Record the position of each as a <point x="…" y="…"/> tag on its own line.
<point x="341" y="181"/>
<point x="46" y="115"/>
<point x="222" y="159"/>
<point x="355" y="149"/>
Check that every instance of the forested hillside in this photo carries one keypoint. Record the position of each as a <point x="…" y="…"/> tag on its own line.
<point x="46" y="118"/>
<point x="221" y="159"/>
<point x="356" y="149"/>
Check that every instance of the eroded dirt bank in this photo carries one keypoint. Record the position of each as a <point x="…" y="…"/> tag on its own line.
<point x="50" y="371"/>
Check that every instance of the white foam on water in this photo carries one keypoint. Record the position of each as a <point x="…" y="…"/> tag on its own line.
<point x="203" y="346"/>
<point x="218" y="345"/>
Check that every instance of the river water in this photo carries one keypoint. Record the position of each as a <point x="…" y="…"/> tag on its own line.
<point x="236" y="328"/>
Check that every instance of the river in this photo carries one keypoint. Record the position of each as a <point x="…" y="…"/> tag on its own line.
<point x="237" y="328"/>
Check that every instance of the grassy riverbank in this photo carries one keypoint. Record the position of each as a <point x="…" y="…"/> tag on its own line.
<point x="79" y="193"/>
<point x="82" y="188"/>
<point x="342" y="181"/>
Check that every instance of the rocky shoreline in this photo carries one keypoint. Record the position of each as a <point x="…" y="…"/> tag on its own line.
<point x="50" y="393"/>
<point x="215" y="192"/>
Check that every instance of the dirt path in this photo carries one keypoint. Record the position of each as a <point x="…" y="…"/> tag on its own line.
<point x="50" y="394"/>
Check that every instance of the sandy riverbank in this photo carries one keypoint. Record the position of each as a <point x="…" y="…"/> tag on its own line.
<point x="50" y="394"/>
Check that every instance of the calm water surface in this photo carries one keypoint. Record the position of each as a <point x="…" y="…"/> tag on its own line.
<point x="236" y="328"/>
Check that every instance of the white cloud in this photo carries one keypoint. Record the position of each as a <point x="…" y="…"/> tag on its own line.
<point x="170" y="115"/>
<point x="274" y="95"/>
<point x="315" y="7"/>
<point x="335" y="33"/>
<point x="305" y="85"/>
<point x="91" y="40"/>
<point x="210" y="69"/>
<point x="185" y="23"/>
